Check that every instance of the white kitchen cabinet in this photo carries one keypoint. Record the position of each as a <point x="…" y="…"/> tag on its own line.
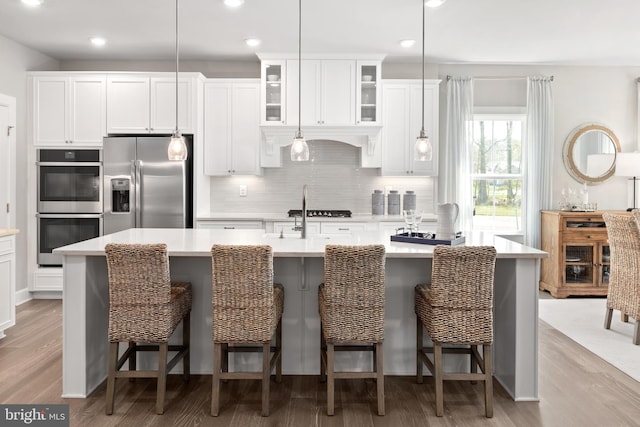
<point x="368" y="93"/>
<point x="273" y="93"/>
<point x="69" y="109"/>
<point x="230" y="224"/>
<point x="401" y="111"/>
<point x="7" y="283"/>
<point x="141" y="104"/>
<point x="231" y="127"/>
<point x="347" y="227"/>
<point x="328" y="92"/>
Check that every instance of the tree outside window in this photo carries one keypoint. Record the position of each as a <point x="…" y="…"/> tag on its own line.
<point x="497" y="165"/>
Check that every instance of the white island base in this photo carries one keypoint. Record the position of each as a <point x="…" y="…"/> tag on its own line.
<point x="298" y="265"/>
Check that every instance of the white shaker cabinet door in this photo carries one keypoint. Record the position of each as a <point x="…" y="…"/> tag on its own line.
<point x="338" y="92"/>
<point x="245" y="128"/>
<point x="87" y="109"/>
<point x="50" y="111"/>
<point x="7" y="283"/>
<point x="128" y="104"/>
<point x="163" y="105"/>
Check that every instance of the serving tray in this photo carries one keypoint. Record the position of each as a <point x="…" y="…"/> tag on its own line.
<point x="425" y="239"/>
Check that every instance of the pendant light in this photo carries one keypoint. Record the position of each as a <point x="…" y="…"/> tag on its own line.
<point x="423" y="151"/>
<point x="177" y="147"/>
<point x="299" y="148"/>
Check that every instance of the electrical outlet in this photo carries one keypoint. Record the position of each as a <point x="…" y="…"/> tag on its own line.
<point x="243" y="191"/>
<point x="387" y="188"/>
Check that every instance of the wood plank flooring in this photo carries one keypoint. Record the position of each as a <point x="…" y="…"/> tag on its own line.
<point x="577" y="388"/>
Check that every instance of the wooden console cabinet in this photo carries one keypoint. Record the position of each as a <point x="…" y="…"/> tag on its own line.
<point x="578" y="262"/>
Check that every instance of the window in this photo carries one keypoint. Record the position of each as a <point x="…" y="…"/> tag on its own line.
<point x="497" y="172"/>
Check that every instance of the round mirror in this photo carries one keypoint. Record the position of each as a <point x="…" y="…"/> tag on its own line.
<point x="590" y="153"/>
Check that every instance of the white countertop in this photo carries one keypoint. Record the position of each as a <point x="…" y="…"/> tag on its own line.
<point x="8" y="231"/>
<point x="197" y="242"/>
<point x="284" y="217"/>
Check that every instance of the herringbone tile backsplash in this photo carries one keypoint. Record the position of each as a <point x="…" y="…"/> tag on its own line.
<point x="335" y="181"/>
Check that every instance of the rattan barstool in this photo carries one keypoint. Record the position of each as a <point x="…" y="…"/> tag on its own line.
<point x="247" y="309"/>
<point x="457" y="308"/>
<point x="145" y="307"/>
<point x="624" y="280"/>
<point x="351" y="306"/>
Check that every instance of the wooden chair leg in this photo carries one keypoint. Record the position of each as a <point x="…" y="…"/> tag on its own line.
<point x="186" y="342"/>
<point x="636" y="333"/>
<point x="111" y="379"/>
<point x="607" y="318"/>
<point x="266" y="375"/>
<point x="162" y="377"/>
<point x="279" y="350"/>
<point x="473" y="368"/>
<point x="488" y="380"/>
<point x="330" y="379"/>
<point x="133" y="356"/>
<point x="419" y="345"/>
<point x="323" y="357"/>
<point x="437" y="361"/>
<point x="215" y="380"/>
<point x="380" y="377"/>
<point x="225" y="360"/>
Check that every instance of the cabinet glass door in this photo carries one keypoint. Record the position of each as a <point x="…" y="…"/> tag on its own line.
<point x="368" y="93"/>
<point x="606" y="266"/>
<point x="273" y="93"/>
<point x="579" y="265"/>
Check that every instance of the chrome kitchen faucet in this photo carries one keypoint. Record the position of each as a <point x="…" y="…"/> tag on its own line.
<point x="303" y="228"/>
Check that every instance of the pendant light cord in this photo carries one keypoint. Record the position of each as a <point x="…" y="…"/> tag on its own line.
<point x="177" y="62"/>
<point x="423" y="13"/>
<point x="299" y="64"/>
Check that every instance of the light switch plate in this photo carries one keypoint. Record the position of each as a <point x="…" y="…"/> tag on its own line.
<point x="243" y="191"/>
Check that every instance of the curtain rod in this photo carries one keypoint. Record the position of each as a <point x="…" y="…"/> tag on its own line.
<point x="502" y="78"/>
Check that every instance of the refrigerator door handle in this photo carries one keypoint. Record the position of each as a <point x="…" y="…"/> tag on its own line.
<point x="138" y="186"/>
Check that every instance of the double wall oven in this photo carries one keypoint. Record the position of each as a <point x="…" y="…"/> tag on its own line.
<point x="69" y="199"/>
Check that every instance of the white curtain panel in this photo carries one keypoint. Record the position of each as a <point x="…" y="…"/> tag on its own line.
<point x="455" y="177"/>
<point x="539" y="149"/>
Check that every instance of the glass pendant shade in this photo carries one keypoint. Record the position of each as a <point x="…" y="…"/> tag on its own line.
<point x="299" y="149"/>
<point x="177" y="147"/>
<point x="423" y="151"/>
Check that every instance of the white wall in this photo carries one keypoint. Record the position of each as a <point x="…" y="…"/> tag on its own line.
<point x="15" y="62"/>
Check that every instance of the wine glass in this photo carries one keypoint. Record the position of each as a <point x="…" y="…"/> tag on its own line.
<point x="576" y="270"/>
<point x="417" y="217"/>
<point x="409" y="219"/>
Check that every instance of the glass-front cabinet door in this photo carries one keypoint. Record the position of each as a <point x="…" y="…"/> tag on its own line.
<point x="368" y="92"/>
<point x="273" y="96"/>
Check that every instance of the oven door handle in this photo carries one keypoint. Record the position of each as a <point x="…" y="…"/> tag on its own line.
<point x="70" y="215"/>
<point x="70" y="164"/>
<point x="138" y="178"/>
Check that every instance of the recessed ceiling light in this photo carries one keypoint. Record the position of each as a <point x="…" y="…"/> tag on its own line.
<point x="434" y="3"/>
<point x="407" y="43"/>
<point x="32" y="3"/>
<point x="233" y="3"/>
<point x="252" y="41"/>
<point x="98" y="41"/>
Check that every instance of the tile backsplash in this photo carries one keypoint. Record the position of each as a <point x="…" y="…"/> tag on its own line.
<point x="335" y="181"/>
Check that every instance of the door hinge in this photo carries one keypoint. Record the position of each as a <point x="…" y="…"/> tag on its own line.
<point x="8" y="207"/>
<point x="9" y="130"/>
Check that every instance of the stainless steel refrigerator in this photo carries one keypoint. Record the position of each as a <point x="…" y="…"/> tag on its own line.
<point x="142" y="188"/>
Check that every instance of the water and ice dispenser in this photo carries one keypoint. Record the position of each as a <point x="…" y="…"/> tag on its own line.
<point x="120" y="190"/>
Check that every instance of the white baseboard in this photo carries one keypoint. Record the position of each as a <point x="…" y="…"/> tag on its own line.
<point x="47" y="295"/>
<point x="22" y="296"/>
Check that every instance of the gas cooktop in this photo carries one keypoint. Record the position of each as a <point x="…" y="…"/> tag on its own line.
<point x="321" y="213"/>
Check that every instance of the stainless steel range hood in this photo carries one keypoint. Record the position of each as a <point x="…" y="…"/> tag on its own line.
<point x="367" y="138"/>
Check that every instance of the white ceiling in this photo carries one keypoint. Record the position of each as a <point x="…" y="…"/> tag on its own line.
<point x="568" y="32"/>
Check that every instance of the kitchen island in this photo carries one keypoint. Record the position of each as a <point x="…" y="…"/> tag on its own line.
<point x="298" y="265"/>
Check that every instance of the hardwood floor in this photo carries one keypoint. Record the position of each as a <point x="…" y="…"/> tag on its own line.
<point x="577" y="388"/>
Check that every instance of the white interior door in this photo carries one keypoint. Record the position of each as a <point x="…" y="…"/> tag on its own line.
<point x="7" y="160"/>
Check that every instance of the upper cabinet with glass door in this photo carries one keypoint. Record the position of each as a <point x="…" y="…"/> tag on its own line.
<point x="368" y="93"/>
<point x="272" y="105"/>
